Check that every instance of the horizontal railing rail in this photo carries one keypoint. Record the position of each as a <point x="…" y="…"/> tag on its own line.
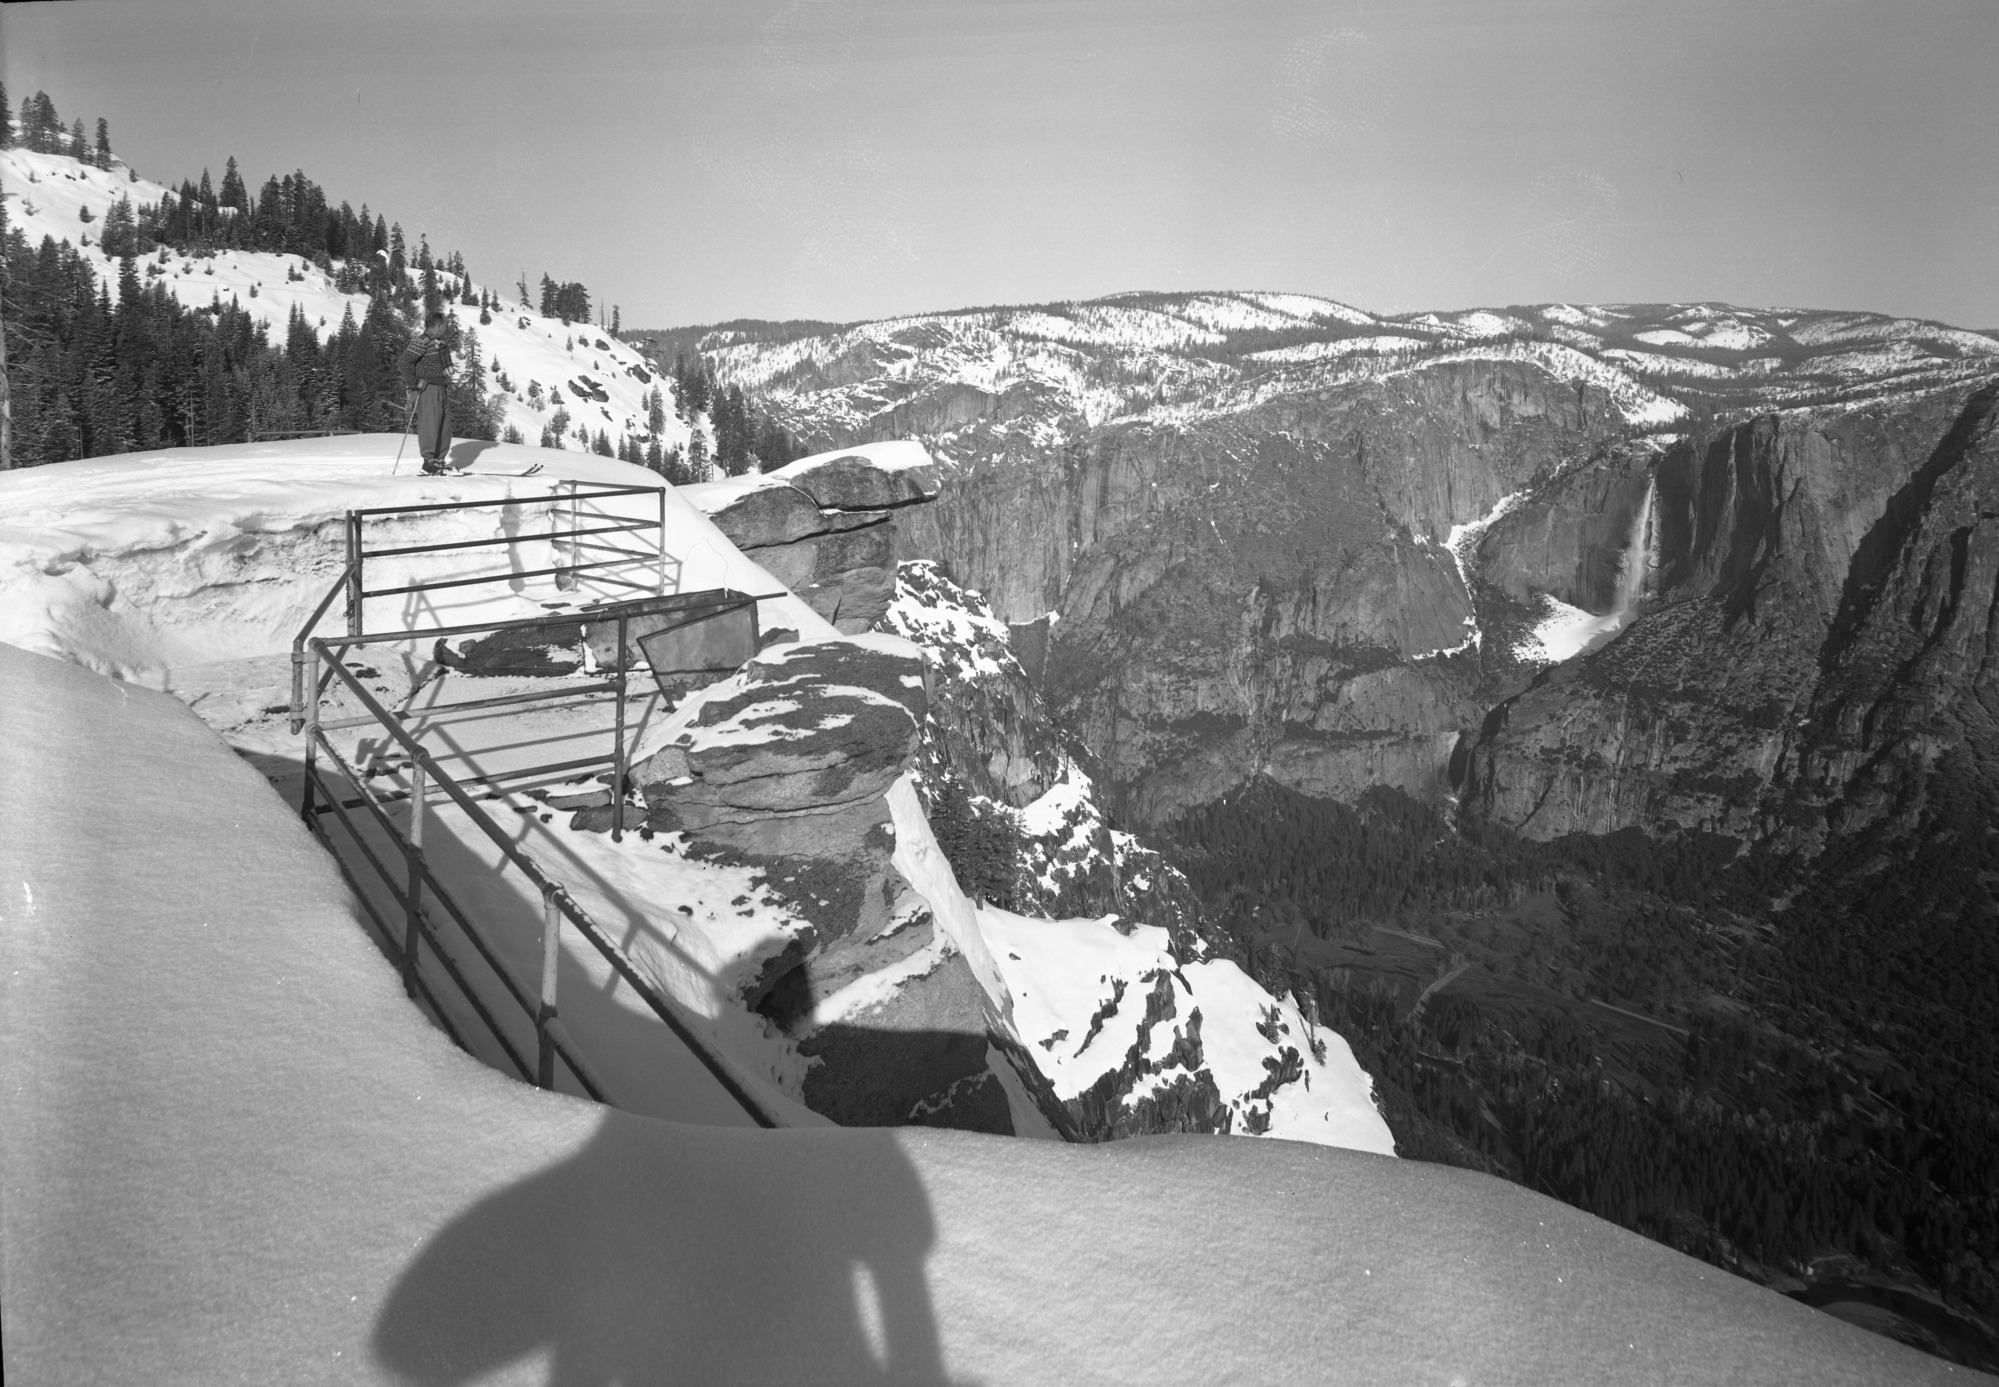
<point x="502" y="539"/>
<point x="431" y="585"/>
<point x="596" y="491"/>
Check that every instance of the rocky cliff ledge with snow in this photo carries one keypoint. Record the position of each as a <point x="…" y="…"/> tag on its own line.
<point x="821" y="766"/>
<point x="784" y="883"/>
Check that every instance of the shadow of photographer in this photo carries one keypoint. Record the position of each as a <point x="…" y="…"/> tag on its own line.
<point x="667" y="1254"/>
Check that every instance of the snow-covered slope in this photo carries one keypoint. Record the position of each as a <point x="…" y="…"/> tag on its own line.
<point x="573" y="364"/>
<point x="231" y="1151"/>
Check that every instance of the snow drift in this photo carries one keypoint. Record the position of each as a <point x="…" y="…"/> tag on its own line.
<point x="232" y="1152"/>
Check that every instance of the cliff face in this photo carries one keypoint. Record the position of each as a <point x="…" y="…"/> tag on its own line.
<point x="1581" y="568"/>
<point x="890" y="987"/>
<point x="1813" y="635"/>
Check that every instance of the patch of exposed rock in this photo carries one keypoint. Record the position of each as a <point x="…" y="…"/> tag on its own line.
<point x="785" y="767"/>
<point x="825" y="527"/>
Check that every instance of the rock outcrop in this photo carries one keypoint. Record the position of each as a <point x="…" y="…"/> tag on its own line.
<point x="785" y="767"/>
<point x="826" y="527"/>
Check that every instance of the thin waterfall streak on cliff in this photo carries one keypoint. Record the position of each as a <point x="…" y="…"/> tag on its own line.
<point x="1640" y="557"/>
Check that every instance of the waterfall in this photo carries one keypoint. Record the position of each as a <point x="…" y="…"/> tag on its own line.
<point x="1566" y="631"/>
<point x="1634" y="571"/>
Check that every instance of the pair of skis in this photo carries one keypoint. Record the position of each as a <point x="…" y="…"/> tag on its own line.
<point x="469" y="472"/>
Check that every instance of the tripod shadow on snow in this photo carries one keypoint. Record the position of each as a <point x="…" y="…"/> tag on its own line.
<point x="669" y="1254"/>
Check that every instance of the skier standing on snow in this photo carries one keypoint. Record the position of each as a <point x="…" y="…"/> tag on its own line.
<point x="426" y="368"/>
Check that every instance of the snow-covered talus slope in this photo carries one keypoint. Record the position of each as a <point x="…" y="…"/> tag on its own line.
<point x="1125" y="1022"/>
<point x="231" y="1151"/>
<point x="989" y="737"/>
<point x="571" y="363"/>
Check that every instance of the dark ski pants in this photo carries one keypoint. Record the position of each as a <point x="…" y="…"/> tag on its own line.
<point x="433" y="423"/>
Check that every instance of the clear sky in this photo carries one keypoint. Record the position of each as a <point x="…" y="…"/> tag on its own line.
<point x="844" y="159"/>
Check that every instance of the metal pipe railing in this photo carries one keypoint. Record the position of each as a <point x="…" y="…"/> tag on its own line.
<point x="298" y="648"/>
<point x="504" y="539"/>
<point x="552" y="1040"/>
<point x="599" y="491"/>
<point x="555" y="896"/>
<point x="497" y="577"/>
<point x="382" y="928"/>
<point x="437" y="948"/>
<point x="422" y="875"/>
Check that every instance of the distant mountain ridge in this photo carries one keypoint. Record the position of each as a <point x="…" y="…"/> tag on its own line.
<point x="1185" y="346"/>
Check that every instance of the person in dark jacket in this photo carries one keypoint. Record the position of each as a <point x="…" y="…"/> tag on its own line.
<point x="426" y="368"/>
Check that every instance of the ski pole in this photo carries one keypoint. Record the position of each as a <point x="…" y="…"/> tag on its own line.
<point x="409" y="417"/>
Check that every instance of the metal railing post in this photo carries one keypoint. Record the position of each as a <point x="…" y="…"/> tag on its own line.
<point x="413" y="895"/>
<point x="662" y="539"/>
<point x="551" y="951"/>
<point x="353" y="573"/>
<point x="618" y="740"/>
<point x="305" y="791"/>
<point x="306" y="716"/>
<point x="565" y="576"/>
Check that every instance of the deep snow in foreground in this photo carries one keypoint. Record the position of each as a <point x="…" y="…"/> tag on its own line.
<point x="232" y="1152"/>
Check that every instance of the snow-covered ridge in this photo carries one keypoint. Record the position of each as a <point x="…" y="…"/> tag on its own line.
<point x="1178" y="358"/>
<point x="570" y="365"/>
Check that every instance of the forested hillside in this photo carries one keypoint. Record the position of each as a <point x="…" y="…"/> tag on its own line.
<point x="1801" y="1089"/>
<point x="109" y="348"/>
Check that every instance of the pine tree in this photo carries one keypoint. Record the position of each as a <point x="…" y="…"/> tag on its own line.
<point x="46" y="124"/>
<point x="233" y="192"/>
<point x="656" y="413"/>
<point x="79" y="148"/>
<point x="6" y="132"/>
<point x="103" y="135"/>
<point x="120" y="235"/>
<point x="267" y="221"/>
